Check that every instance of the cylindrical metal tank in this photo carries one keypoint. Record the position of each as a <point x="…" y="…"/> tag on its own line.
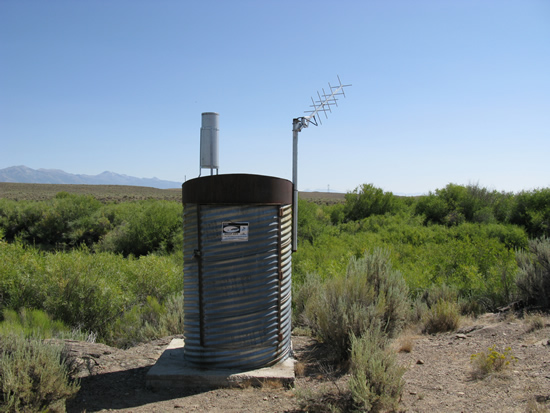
<point x="237" y="271"/>
<point x="210" y="128"/>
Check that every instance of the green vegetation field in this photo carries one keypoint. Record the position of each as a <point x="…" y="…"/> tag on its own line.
<point x="106" y="263"/>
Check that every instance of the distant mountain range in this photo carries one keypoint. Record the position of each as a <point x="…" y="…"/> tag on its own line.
<point x="23" y="174"/>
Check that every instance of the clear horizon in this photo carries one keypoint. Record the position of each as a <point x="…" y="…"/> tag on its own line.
<point x="442" y="92"/>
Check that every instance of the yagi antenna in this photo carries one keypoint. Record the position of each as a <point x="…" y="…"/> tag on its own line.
<point x="321" y="105"/>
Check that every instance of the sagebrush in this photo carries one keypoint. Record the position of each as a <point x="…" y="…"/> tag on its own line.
<point x="370" y="295"/>
<point x="33" y="375"/>
<point x="376" y="381"/>
<point x="533" y="280"/>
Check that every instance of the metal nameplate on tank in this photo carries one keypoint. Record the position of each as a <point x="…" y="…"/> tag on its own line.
<point x="234" y="231"/>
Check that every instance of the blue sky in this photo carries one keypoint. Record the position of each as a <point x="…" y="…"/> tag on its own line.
<point x="443" y="91"/>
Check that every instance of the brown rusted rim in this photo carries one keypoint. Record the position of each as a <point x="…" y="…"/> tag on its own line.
<point x="237" y="189"/>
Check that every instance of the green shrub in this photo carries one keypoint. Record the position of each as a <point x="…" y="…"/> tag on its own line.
<point x="37" y="324"/>
<point x="92" y="291"/>
<point x="456" y="204"/>
<point x="59" y="223"/>
<point x="61" y="218"/>
<point x="432" y="208"/>
<point x="371" y="294"/>
<point x="419" y="308"/>
<point x="20" y="284"/>
<point x="337" y="214"/>
<point x="512" y="236"/>
<point x="445" y="206"/>
<point x="532" y="210"/>
<point x="33" y="376"/>
<point x="478" y="267"/>
<point x="17" y="217"/>
<point x="484" y="215"/>
<point x="301" y="293"/>
<point x="368" y="200"/>
<point x="477" y="260"/>
<point x="312" y="221"/>
<point x="440" y="292"/>
<point x="68" y="221"/>
<point x="448" y="293"/>
<point x="85" y="291"/>
<point x="148" y="321"/>
<point x="533" y="280"/>
<point x="376" y="381"/>
<point x="171" y="321"/>
<point x="328" y="256"/>
<point x="143" y="227"/>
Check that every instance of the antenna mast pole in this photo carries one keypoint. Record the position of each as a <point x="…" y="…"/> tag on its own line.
<point x="323" y="104"/>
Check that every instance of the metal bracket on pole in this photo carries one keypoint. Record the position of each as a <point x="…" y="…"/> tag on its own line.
<point x="323" y="104"/>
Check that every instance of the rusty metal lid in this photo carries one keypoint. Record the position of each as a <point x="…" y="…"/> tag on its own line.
<point x="237" y="189"/>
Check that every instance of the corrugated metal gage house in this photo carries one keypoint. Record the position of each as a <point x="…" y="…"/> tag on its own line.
<point x="237" y="270"/>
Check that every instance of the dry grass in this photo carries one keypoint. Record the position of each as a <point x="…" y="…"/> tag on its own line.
<point x="299" y="369"/>
<point x="442" y="317"/>
<point x="534" y="407"/>
<point x="121" y="193"/>
<point x="104" y="193"/>
<point x="324" y="198"/>
<point x="271" y="384"/>
<point x="405" y="344"/>
<point x="535" y="321"/>
<point x="538" y="400"/>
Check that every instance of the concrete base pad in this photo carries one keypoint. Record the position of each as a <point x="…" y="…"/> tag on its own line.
<point x="171" y="371"/>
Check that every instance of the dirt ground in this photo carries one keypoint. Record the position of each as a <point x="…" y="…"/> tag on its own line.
<point x="438" y="378"/>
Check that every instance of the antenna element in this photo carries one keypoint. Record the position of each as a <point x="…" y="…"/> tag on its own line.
<point x="321" y="105"/>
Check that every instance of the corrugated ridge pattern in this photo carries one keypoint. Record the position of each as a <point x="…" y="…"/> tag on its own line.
<point x="237" y="294"/>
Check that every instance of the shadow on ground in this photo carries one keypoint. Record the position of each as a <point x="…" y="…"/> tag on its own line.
<point x="121" y="390"/>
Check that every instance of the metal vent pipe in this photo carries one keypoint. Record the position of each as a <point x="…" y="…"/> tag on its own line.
<point x="210" y="129"/>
